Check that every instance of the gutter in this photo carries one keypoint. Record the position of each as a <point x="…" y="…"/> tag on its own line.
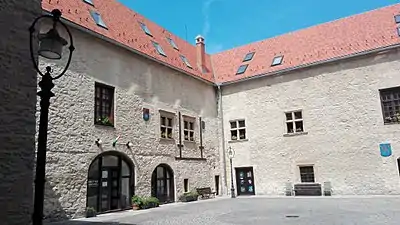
<point x="305" y="66"/>
<point x="222" y="136"/>
<point x="107" y="39"/>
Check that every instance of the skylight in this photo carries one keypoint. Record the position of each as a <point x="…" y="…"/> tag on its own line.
<point x="145" y="29"/>
<point x="97" y="18"/>
<point x="185" y="60"/>
<point x="172" y="43"/>
<point x="248" y="56"/>
<point x="159" y="49"/>
<point x="398" y="31"/>
<point x="242" y="69"/>
<point x="397" y="18"/>
<point x="89" y="2"/>
<point x="277" y="61"/>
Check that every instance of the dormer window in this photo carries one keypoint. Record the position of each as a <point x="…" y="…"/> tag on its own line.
<point x="248" y="57"/>
<point x="242" y="69"/>
<point x="277" y="61"/>
<point x="97" y="18"/>
<point x="145" y="29"/>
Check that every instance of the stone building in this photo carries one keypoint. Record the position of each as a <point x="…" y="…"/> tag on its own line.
<point x="17" y="111"/>
<point x="143" y="112"/>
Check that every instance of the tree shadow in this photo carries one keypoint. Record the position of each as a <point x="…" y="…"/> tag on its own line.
<point x="74" y="222"/>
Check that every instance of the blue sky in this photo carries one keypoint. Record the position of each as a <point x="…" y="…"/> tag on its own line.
<point x="226" y="24"/>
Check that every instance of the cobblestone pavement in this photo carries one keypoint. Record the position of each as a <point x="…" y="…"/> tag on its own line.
<point x="263" y="211"/>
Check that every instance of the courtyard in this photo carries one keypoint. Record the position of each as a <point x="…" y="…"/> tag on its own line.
<point x="370" y="210"/>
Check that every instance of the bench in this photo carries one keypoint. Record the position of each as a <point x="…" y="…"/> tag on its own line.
<point x="205" y="192"/>
<point x="308" y="189"/>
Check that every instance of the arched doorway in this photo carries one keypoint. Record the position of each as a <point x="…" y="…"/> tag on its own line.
<point x="162" y="184"/>
<point x="110" y="182"/>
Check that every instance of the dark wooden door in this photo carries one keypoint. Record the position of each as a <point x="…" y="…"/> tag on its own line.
<point x="109" y="188"/>
<point x="245" y="181"/>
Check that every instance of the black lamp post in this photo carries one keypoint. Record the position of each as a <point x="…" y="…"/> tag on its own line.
<point x="51" y="47"/>
<point x="231" y="154"/>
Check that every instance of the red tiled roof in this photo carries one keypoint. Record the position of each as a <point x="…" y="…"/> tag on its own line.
<point x="123" y="27"/>
<point x="335" y="39"/>
<point x="339" y="38"/>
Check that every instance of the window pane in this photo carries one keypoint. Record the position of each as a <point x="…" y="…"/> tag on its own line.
<point x="125" y="195"/>
<point x="299" y="126"/>
<point x="163" y="121"/>
<point x="290" y="127"/>
<point x="169" y="133"/>
<point x="241" y="123"/>
<point x="125" y="170"/>
<point x="185" y="125"/>
<point x="163" y="132"/>
<point x="289" y="116"/>
<point x="297" y="115"/>
<point x="191" y="126"/>
<point x="186" y="135"/>
<point x="191" y="136"/>
<point x="110" y="160"/>
<point x="160" y="172"/>
<point x="234" y="135"/>
<point x="169" y="122"/>
<point x="233" y="124"/>
<point x="242" y="134"/>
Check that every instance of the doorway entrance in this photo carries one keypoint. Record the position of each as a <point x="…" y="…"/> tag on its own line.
<point x="245" y="181"/>
<point x="110" y="182"/>
<point x="216" y="184"/>
<point x="162" y="184"/>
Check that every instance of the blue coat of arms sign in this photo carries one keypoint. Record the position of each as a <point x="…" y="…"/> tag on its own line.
<point x="386" y="149"/>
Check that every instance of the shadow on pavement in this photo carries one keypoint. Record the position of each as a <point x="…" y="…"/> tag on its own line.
<point x="89" y="223"/>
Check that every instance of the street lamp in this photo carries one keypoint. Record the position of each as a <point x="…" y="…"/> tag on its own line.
<point x="50" y="46"/>
<point x="231" y="154"/>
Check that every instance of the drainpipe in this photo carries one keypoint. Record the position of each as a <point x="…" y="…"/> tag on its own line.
<point x="180" y="135"/>
<point x="201" y="147"/>
<point x="220" y="112"/>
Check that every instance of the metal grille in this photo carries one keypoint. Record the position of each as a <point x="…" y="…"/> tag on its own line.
<point x="390" y="99"/>
<point x="307" y="174"/>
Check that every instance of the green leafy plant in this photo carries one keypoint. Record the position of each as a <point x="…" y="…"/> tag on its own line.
<point x="189" y="196"/>
<point x="90" y="212"/>
<point x="104" y="121"/>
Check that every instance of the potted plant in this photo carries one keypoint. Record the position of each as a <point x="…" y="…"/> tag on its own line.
<point x="153" y="202"/>
<point x="90" y="212"/>
<point x="136" y="202"/>
<point x="189" y="196"/>
<point x="234" y="138"/>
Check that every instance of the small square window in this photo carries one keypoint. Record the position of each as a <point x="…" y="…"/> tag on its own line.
<point x="249" y="56"/>
<point x="238" y="130"/>
<point x="390" y="101"/>
<point x="166" y="126"/>
<point x="242" y="69"/>
<point x="145" y="29"/>
<point x="159" y="49"/>
<point x="294" y="122"/>
<point x="277" y="61"/>
<point x="172" y="43"/>
<point x="97" y="18"/>
<point x="185" y="60"/>
<point x="89" y="2"/>
<point x="188" y="129"/>
<point x="397" y="18"/>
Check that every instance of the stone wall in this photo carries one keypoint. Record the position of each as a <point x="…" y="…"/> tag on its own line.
<point x="17" y="111"/>
<point x="342" y="117"/>
<point x="138" y="83"/>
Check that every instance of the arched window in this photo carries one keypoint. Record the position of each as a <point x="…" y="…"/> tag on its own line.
<point x="110" y="182"/>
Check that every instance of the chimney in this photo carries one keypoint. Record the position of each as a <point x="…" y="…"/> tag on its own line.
<point x="201" y="53"/>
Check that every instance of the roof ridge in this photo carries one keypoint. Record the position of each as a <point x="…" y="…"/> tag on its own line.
<point x="309" y="27"/>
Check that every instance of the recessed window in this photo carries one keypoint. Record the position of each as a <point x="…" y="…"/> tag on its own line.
<point x="242" y="69"/>
<point x="104" y="105"/>
<point x="277" y="61"/>
<point x="185" y="185"/>
<point x="248" y="57"/>
<point x="390" y="100"/>
<point x="238" y="130"/>
<point x="185" y="60"/>
<point x="397" y="18"/>
<point x="159" y="49"/>
<point x="172" y="43"/>
<point x="188" y="129"/>
<point x="166" y="126"/>
<point x="145" y="29"/>
<point x="307" y="174"/>
<point x="97" y="18"/>
<point x="294" y="122"/>
<point x="89" y="2"/>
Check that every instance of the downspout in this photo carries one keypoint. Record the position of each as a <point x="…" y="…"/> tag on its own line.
<point x="180" y="135"/>
<point x="222" y="135"/>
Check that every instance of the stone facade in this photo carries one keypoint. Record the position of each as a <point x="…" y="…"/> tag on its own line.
<point x="343" y="126"/>
<point x="17" y="110"/>
<point x="139" y="83"/>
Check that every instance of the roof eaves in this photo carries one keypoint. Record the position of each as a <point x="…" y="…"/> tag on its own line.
<point x="274" y="73"/>
<point x="112" y="41"/>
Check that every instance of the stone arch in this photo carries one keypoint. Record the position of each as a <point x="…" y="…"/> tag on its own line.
<point x="162" y="183"/>
<point x="110" y="183"/>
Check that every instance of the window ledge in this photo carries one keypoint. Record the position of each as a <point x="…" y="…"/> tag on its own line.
<point x="105" y="126"/>
<point x="391" y="123"/>
<point x="190" y="159"/>
<point x="189" y="142"/>
<point x="241" y="140"/>
<point x="295" y="134"/>
<point x="167" y="139"/>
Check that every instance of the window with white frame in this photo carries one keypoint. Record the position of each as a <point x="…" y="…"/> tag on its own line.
<point x="307" y="174"/>
<point x="166" y="126"/>
<point x="238" y="130"/>
<point x="188" y="129"/>
<point x="294" y="122"/>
